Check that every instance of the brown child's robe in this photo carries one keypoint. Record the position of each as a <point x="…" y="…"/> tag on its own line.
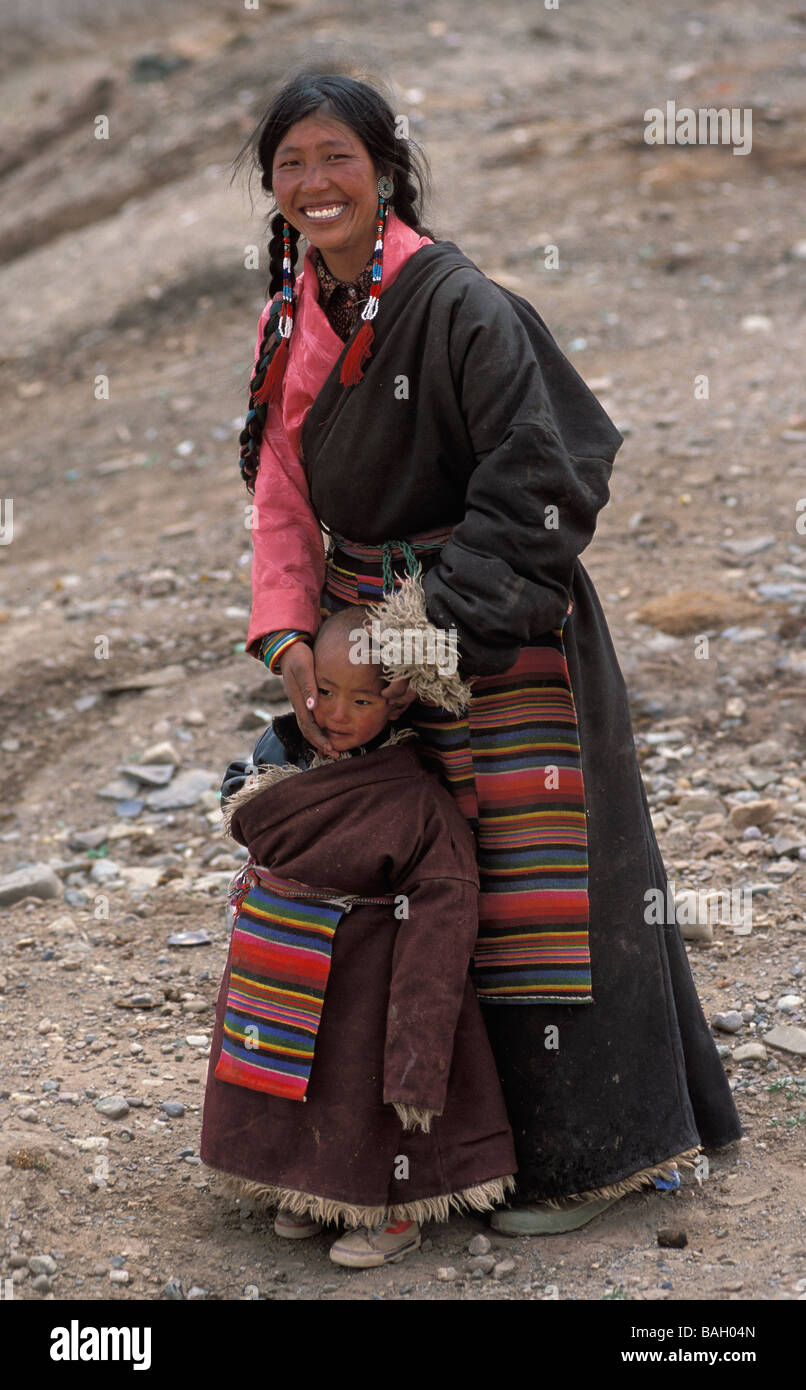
<point x="401" y="1022"/>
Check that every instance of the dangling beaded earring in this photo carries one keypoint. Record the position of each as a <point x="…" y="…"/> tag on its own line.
<point x="271" y="389"/>
<point x="360" y="348"/>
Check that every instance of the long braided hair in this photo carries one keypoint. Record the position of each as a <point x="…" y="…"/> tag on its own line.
<point x="369" y="115"/>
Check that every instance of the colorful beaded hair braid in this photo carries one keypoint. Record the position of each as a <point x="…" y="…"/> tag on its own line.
<point x="267" y="381"/>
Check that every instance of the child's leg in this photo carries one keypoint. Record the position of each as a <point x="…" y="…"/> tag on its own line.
<point x="369" y="1246"/>
<point x="293" y="1226"/>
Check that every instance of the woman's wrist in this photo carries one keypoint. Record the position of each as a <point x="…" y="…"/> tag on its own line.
<point x="276" y="644"/>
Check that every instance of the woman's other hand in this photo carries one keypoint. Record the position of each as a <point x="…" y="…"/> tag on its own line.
<point x="299" y="678"/>
<point x="399" y="695"/>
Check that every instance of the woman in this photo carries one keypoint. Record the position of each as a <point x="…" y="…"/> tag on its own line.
<point x="425" y="417"/>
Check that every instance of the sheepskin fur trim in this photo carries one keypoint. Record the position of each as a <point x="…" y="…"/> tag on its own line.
<point x="268" y="774"/>
<point x="483" y="1197"/>
<point x="404" y="613"/>
<point x="635" y="1183"/>
<point x="414" y="1117"/>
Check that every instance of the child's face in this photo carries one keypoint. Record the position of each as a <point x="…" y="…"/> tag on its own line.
<point x="350" y="708"/>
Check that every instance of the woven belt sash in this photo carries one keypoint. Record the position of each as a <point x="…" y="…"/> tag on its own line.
<point x="282" y="944"/>
<point x="347" y="579"/>
<point x="513" y="764"/>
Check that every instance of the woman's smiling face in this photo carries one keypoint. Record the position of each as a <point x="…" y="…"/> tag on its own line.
<point x="326" y="186"/>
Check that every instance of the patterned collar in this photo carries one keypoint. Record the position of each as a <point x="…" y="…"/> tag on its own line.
<point x="328" y="283"/>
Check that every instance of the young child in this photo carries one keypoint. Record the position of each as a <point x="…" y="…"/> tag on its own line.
<point x="350" y="1075"/>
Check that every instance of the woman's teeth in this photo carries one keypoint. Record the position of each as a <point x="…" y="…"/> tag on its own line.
<point x="324" y="214"/>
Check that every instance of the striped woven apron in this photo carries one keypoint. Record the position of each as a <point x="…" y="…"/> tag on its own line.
<point x="282" y="944"/>
<point x="513" y="765"/>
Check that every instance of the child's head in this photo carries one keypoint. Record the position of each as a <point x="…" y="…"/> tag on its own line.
<point x="350" y="708"/>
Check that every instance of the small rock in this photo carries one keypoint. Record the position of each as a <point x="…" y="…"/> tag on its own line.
<point x="197" y="1293"/>
<point x="503" y="1269"/>
<point x="149" y="774"/>
<point x="175" y="1110"/>
<point x="789" y="1002"/>
<point x="750" y="1052"/>
<point x="447" y="1274"/>
<point x="42" y="1284"/>
<point x="173" y="1290"/>
<point x="118" y="1276"/>
<point x="479" y="1245"/>
<point x="788" y="1039"/>
<point x="163" y="752"/>
<point x="197" y="1040"/>
<point x="189" y="938"/>
<point x="484" y="1263"/>
<point x="184" y="791"/>
<point x="113" y="1107"/>
<point x="104" y="871"/>
<point x="28" y="1115"/>
<point x="752" y="813"/>
<point x="729" y="1022"/>
<point x="687" y="911"/>
<point x="42" y="1264"/>
<point x="669" y="1239"/>
<point x="35" y="881"/>
<point x="699" y="804"/>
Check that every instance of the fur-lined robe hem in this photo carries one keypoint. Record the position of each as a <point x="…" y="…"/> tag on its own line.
<point x="483" y="1197"/>
<point x="634" y="1183"/>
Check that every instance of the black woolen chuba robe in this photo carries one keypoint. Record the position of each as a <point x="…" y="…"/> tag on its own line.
<point x="470" y="415"/>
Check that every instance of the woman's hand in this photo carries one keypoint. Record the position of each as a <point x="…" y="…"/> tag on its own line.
<point x="398" y="695"/>
<point x="299" y="678"/>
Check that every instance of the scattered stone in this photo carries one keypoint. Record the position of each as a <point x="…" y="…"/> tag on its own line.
<point x="189" y="938"/>
<point x="173" y="1290"/>
<point x="484" y="1263"/>
<point x="112" y="1107"/>
<point x="789" y="1002"/>
<point x="184" y="791"/>
<point x="700" y="804"/>
<point x="42" y="1284"/>
<point x="788" y="1038"/>
<point x="33" y="881"/>
<point x="669" y="1239"/>
<point x="136" y="1001"/>
<point x="174" y="1109"/>
<point x="88" y="839"/>
<point x="447" y="1274"/>
<point x="730" y="1022"/>
<point x="687" y="912"/>
<point x="42" y="1264"/>
<point x="197" y="1293"/>
<point x="694" y="611"/>
<point x="504" y="1269"/>
<point x="167" y="675"/>
<point x="197" y="1040"/>
<point x="118" y="1276"/>
<point x="104" y="871"/>
<point x="119" y="789"/>
<point x="151" y="775"/>
<point x="750" y="1052"/>
<point x="28" y="1115"/>
<point x="480" y="1245"/>
<point x="162" y="753"/>
<point x="752" y="813"/>
<point x="755" y="545"/>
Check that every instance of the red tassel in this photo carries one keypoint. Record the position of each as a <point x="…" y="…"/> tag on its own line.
<point x="272" y="387"/>
<point x="357" y="353"/>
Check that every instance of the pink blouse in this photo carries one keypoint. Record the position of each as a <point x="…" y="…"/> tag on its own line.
<point x="288" y="556"/>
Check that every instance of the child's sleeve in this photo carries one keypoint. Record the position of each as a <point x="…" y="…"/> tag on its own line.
<point x="430" y="964"/>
